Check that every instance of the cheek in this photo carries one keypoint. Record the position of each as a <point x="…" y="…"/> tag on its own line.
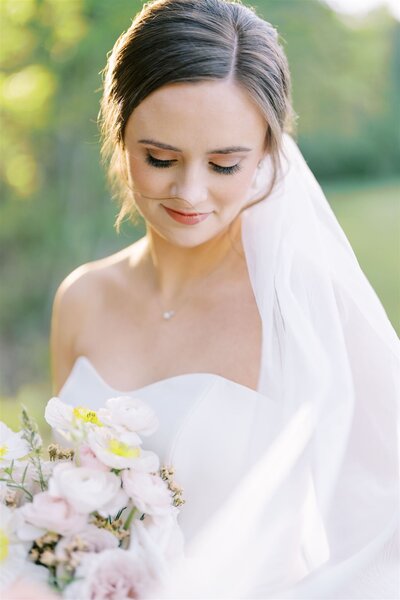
<point x="146" y="179"/>
<point x="234" y="190"/>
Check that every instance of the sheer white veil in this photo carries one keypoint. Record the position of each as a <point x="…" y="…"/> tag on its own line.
<point x="317" y="516"/>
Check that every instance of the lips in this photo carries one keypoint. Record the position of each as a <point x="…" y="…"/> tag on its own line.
<point x="185" y="214"/>
<point x="186" y="218"/>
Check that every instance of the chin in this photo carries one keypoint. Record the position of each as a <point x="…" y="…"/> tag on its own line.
<point x="187" y="237"/>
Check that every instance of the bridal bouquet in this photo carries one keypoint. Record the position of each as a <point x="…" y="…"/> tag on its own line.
<point x="98" y="518"/>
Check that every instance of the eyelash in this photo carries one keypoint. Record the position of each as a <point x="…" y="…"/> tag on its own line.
<point x="164" y="164"/>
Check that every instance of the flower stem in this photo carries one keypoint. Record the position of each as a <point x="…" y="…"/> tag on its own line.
<point x="129" y="518"/>
<point x="12" y="484"/>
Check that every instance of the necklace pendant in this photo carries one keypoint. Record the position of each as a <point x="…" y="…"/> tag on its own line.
<point x="168" y="314"/>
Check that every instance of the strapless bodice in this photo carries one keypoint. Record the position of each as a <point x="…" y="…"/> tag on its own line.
<point x="208" y="430"/>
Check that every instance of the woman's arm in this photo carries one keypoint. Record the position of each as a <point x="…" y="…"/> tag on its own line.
<point x="70" y="301"/>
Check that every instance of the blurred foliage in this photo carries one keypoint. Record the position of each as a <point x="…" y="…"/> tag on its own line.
<point x="34" y="398"/>
<point x="55" y="211"/>
<point x="346" y="86"/>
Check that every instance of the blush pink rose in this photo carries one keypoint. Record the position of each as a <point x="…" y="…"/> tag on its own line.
<point x="110" y="575"/>
<point x="87" y="489"/>
<point x="52" y="514"/>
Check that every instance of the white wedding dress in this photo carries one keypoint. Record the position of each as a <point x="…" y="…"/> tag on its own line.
<point x="207" y="422"/>
<point x="205" y="425"/>
<point x="292" y="491"/>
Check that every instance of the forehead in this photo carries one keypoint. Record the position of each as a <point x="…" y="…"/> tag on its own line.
<point x="206" y="113"/>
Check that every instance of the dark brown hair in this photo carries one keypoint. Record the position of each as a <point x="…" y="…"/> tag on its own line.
<point x="172" y="41"/>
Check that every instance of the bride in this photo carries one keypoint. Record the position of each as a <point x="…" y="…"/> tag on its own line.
<point x="242" y="316"/>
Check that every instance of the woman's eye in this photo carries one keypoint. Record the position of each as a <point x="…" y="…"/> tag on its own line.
<point x="163" y="164"/>
<point x="156" y="162"/>
<point x="226" y="170"/>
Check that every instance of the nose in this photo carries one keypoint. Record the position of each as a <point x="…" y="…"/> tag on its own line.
<point x="190" y="186"/>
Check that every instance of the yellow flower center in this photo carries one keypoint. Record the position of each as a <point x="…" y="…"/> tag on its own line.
<point x="3" y="451"/>
<point x="87" y="415"/>
<point x="4" y="543"/>
<point x="121" y="449"/>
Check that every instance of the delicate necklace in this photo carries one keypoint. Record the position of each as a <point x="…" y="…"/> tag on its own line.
<point x="168" y="314"/>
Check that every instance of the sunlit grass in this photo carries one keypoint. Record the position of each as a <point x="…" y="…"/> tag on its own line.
<point x="369" y="213"/>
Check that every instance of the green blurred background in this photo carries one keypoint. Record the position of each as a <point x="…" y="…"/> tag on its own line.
<point x="55" y="209"/>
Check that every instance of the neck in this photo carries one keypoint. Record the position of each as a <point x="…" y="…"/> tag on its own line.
<point x="175" y="268"/>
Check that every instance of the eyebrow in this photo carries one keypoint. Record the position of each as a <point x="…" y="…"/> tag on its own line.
<point x="228" y="150"/>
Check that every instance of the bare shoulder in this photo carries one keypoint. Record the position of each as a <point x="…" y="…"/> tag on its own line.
<point x="68" y="309"/>
<point x="77" y="299"/>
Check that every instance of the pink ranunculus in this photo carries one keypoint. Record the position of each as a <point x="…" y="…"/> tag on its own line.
<point x="52" y="514"/>
<point x="86" y="489"/>
<point x="88" y="458"/>
<point x="149" y="493"/>
<point x="110" y="575"/>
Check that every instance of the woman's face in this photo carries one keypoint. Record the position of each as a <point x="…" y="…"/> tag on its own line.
<point x="194" y="148"/>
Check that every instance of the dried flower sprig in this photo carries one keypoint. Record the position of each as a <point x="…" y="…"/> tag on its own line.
<point x="167" y="473"/>
<point x="115" y="526"/>
<point x="57" y="453"/>
<point x="11" y="499"/>
<point x="43" y="552"/>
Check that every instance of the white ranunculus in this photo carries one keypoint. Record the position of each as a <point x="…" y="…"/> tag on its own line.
<point x="115" y="450"/>
<point x="129" y="414"/>
<point x="58" y="414"/>
<point x="72" y="422"/>
<point x="112" y="574"/>
<point x="84" y="489"/>
<point x="12" y="446"/>
<point x="148" y="491"/>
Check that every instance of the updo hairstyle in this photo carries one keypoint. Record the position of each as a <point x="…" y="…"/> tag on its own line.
<point x="171" y="41"/>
